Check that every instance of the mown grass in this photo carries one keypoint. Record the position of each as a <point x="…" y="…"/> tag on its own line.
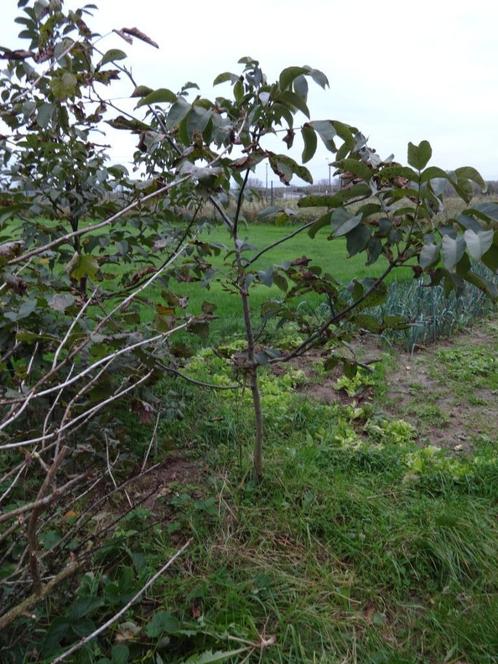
<point x="430" y="313"/>
<point x="331" y="256"/>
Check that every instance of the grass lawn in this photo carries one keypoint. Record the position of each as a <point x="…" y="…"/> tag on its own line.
<point x="331" y="256"/>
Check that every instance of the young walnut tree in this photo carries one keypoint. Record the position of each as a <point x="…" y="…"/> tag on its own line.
<point x="92" y="260"/>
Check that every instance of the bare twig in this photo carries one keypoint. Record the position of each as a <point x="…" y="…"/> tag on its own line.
<point x="80" y="522"/>
<point x="43" y="501"/>
<point x="108" y="358"/>
<point x="109" y="468"/>
<point x="280" y="241"/>
<point x="12" y="485"/>
<point x="87" y="415"/>
<point x="71" y="327"/>
<point x="153" y="438"/>
<point x="54" y="404"/>
<point x="101" y="224"/>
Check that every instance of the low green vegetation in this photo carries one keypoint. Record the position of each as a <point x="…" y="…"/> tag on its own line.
<point x="362" y="543"/>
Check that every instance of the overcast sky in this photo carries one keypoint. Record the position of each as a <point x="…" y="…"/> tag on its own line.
<point x="399" y="71"/>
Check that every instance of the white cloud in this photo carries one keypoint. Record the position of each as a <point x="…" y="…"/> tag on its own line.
<point x="399" y="71"/>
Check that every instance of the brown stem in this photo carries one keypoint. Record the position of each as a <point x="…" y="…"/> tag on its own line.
<point x="31" y="534"/>
<point x="254" y="385"/>
<point x="251" y="354"/>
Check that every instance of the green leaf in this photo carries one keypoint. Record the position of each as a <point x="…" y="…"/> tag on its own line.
<point x="429" y="255"/>
<point x="357" y="239"/>
<point x="374" y="250"/>
<point x="120" y="654"/>
<point x="490" y="258"/>
<point x="45" y="113"/>
<point x="280" y="281"/>
<point x="469" y="173"/>
<point x="177" y="112"/>
<point x="468" y="222"/>
<point x="319" y="78"/>
<point x="452" y="250"/>
<point x="432" y="173"/>
<point x="294" y="101"/>
<point x="288" y="75"/>
<point x="224" y="77"/>
<point x="285" y="167"/>
<point x="300" y="86"/>
<point x="359" y="190"/>
<point x="310" y="142"/>
<point x="368" y="322"/>
<point x="483" y="284"/>
<point x="489" y="210"/>
<point x="319" y="224"/>
<point x="463" y="188"/>
<point x="112" y="55"/>
<point x="266" y="276"/>
<point x="326" y="130"/>
<point x="197" y="120"/>
<point x="141" y="91"/>
<point x="478" y="243"/>
<point x="84" y="266"/>
<point x="399" y="171"/>
<point x="49" y="539"/>
<point x="342" y="222"/>
<point x="120" y="122"/>
<point x="160" y="96"/>
<point x="356" y="167"/>
<point x="377" y="296"/>
<point x="419" y="155"/>
<point x="64" y="86"/>
<point x="25" y="310"/>
<point x="162" y="623"/>
<point x="238" y="91"/>
<point x="394" y="322"/>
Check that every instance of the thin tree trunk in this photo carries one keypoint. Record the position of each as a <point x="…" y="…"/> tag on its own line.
<point x="251" y="352"/>
<point x="254" y="385"/>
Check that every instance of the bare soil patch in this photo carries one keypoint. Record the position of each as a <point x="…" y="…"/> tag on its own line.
<point x="446" y="412"/>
